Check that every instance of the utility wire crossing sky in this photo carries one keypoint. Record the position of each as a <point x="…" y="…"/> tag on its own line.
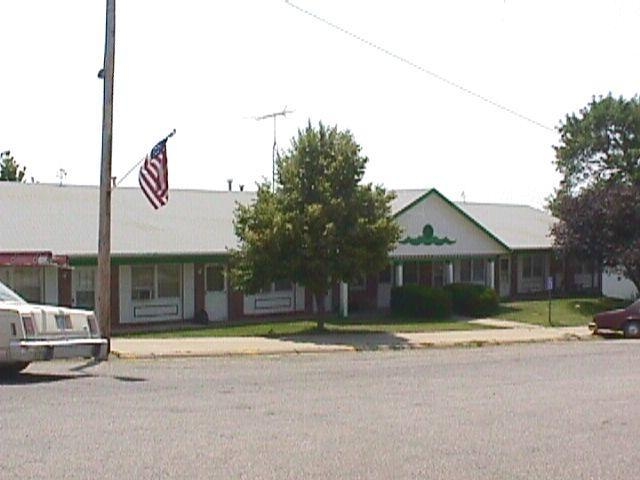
<point x="463" y="96"/>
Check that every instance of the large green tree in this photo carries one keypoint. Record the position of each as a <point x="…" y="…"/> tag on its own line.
<point x="600" y="143"/>
<point x="598" y="200"/>
<point x="320" y="223"/>
<point x="10" y="171"/>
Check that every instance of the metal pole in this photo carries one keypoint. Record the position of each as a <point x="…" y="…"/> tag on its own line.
<point x="104" y="223"/>
<point x="274" y="115"/>
<point x="273" y="157"/>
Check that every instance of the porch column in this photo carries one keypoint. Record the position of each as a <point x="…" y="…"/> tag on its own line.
<point x="399" y="271"/>
<point x="491" y="274"/>
<point x="344" y="299"/>
<point x="450" y="272"/>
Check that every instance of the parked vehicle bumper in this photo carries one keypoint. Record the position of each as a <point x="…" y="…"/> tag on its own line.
<point x="34" y="350"/>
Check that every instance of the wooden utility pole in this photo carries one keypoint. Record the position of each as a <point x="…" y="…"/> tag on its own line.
<point x="104" y="223"/>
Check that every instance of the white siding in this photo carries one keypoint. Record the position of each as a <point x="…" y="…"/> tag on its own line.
<point x="151" y="310"/>
<point x="618" y="286"/>
<point x="267" y="303"/>
<point x="447" y="221"/>
<point x="126" y="310"/>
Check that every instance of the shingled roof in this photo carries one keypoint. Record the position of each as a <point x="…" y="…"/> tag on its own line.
<point x="64" y="220"/>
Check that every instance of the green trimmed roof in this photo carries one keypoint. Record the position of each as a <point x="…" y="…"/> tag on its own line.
<point x="517" y="227"/>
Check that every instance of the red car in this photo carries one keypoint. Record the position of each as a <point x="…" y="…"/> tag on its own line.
<point x="625" y="320"/>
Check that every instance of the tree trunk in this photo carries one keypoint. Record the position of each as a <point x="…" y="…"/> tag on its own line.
<point x="319" y="296"/>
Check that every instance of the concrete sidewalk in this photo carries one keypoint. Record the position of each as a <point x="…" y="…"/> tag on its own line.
<point x="508" y="333"/>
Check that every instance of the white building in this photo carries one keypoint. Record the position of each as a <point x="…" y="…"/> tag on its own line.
<point x="169" y="265"/>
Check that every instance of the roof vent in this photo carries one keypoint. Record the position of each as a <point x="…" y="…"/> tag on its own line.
<point x="230" y="183"/>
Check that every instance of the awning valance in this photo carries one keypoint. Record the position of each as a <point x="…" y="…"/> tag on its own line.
<point x="32" y="259"/>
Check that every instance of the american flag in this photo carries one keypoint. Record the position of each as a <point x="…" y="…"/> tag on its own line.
<point x="154" y="176"/>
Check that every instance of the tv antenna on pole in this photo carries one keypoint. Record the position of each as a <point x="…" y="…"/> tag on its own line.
<point x="274" y="115"/>
<point x="62" y="174"/>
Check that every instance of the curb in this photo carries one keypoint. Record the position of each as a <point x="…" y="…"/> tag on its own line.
<point x="299" y="350"/>
<point x="229" y="353"/>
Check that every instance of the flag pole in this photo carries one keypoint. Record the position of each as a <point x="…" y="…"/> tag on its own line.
<point x="173" y="132"/>
<point x="104" y="221"/>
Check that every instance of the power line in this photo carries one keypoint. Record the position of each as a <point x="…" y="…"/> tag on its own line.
<point x="420" y="67"/>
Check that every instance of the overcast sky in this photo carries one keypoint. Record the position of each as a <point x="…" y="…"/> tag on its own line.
<point x="207" y="68"/>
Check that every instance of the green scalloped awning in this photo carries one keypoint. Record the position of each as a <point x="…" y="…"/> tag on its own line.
<point x="428" y="237"/>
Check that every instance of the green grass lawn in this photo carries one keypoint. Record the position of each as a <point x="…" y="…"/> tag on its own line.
<point x="373" y="324"/>
<point x="565" y="312"/>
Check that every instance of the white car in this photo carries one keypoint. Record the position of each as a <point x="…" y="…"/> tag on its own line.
<point x="43" y="332"/>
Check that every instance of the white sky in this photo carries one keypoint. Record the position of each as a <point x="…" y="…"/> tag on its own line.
<point x="206" y="68"/>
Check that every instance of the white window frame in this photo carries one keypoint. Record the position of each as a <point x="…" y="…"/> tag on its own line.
<point x="478" y="266"/>
<point x="84" y="280"/>
<point x="529" y="266"/>
<point x="477" y="271"/>
<point x="154" y="288"/>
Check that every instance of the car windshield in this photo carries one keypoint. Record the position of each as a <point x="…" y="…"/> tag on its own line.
<point x="8" y="295"/>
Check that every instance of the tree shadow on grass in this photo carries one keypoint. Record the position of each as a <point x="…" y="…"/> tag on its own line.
<point x="354" y="331"/>
<point x="506" y="309"/>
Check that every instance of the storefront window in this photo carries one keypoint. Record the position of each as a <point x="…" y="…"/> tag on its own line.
<point x="27" y="282"/>
<point x="150" y="282"/>
<point x="532" y="266"/>
<point x="142" y="282"/>
<point x="168" y="281"/>
<point x="472" y="270"/>
<point x="478" y="271"/>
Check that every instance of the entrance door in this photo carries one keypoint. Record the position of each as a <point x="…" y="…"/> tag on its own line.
<point x="216" y="300"/>
<point x="505" y="277"/>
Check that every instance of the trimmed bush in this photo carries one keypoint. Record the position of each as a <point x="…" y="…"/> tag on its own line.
<point x="473" y="300"/>
<point x="420" y="301"/>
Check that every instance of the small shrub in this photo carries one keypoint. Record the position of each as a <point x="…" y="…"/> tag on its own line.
<point x="473" y="300"/>
<point x="421" y="301"/>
